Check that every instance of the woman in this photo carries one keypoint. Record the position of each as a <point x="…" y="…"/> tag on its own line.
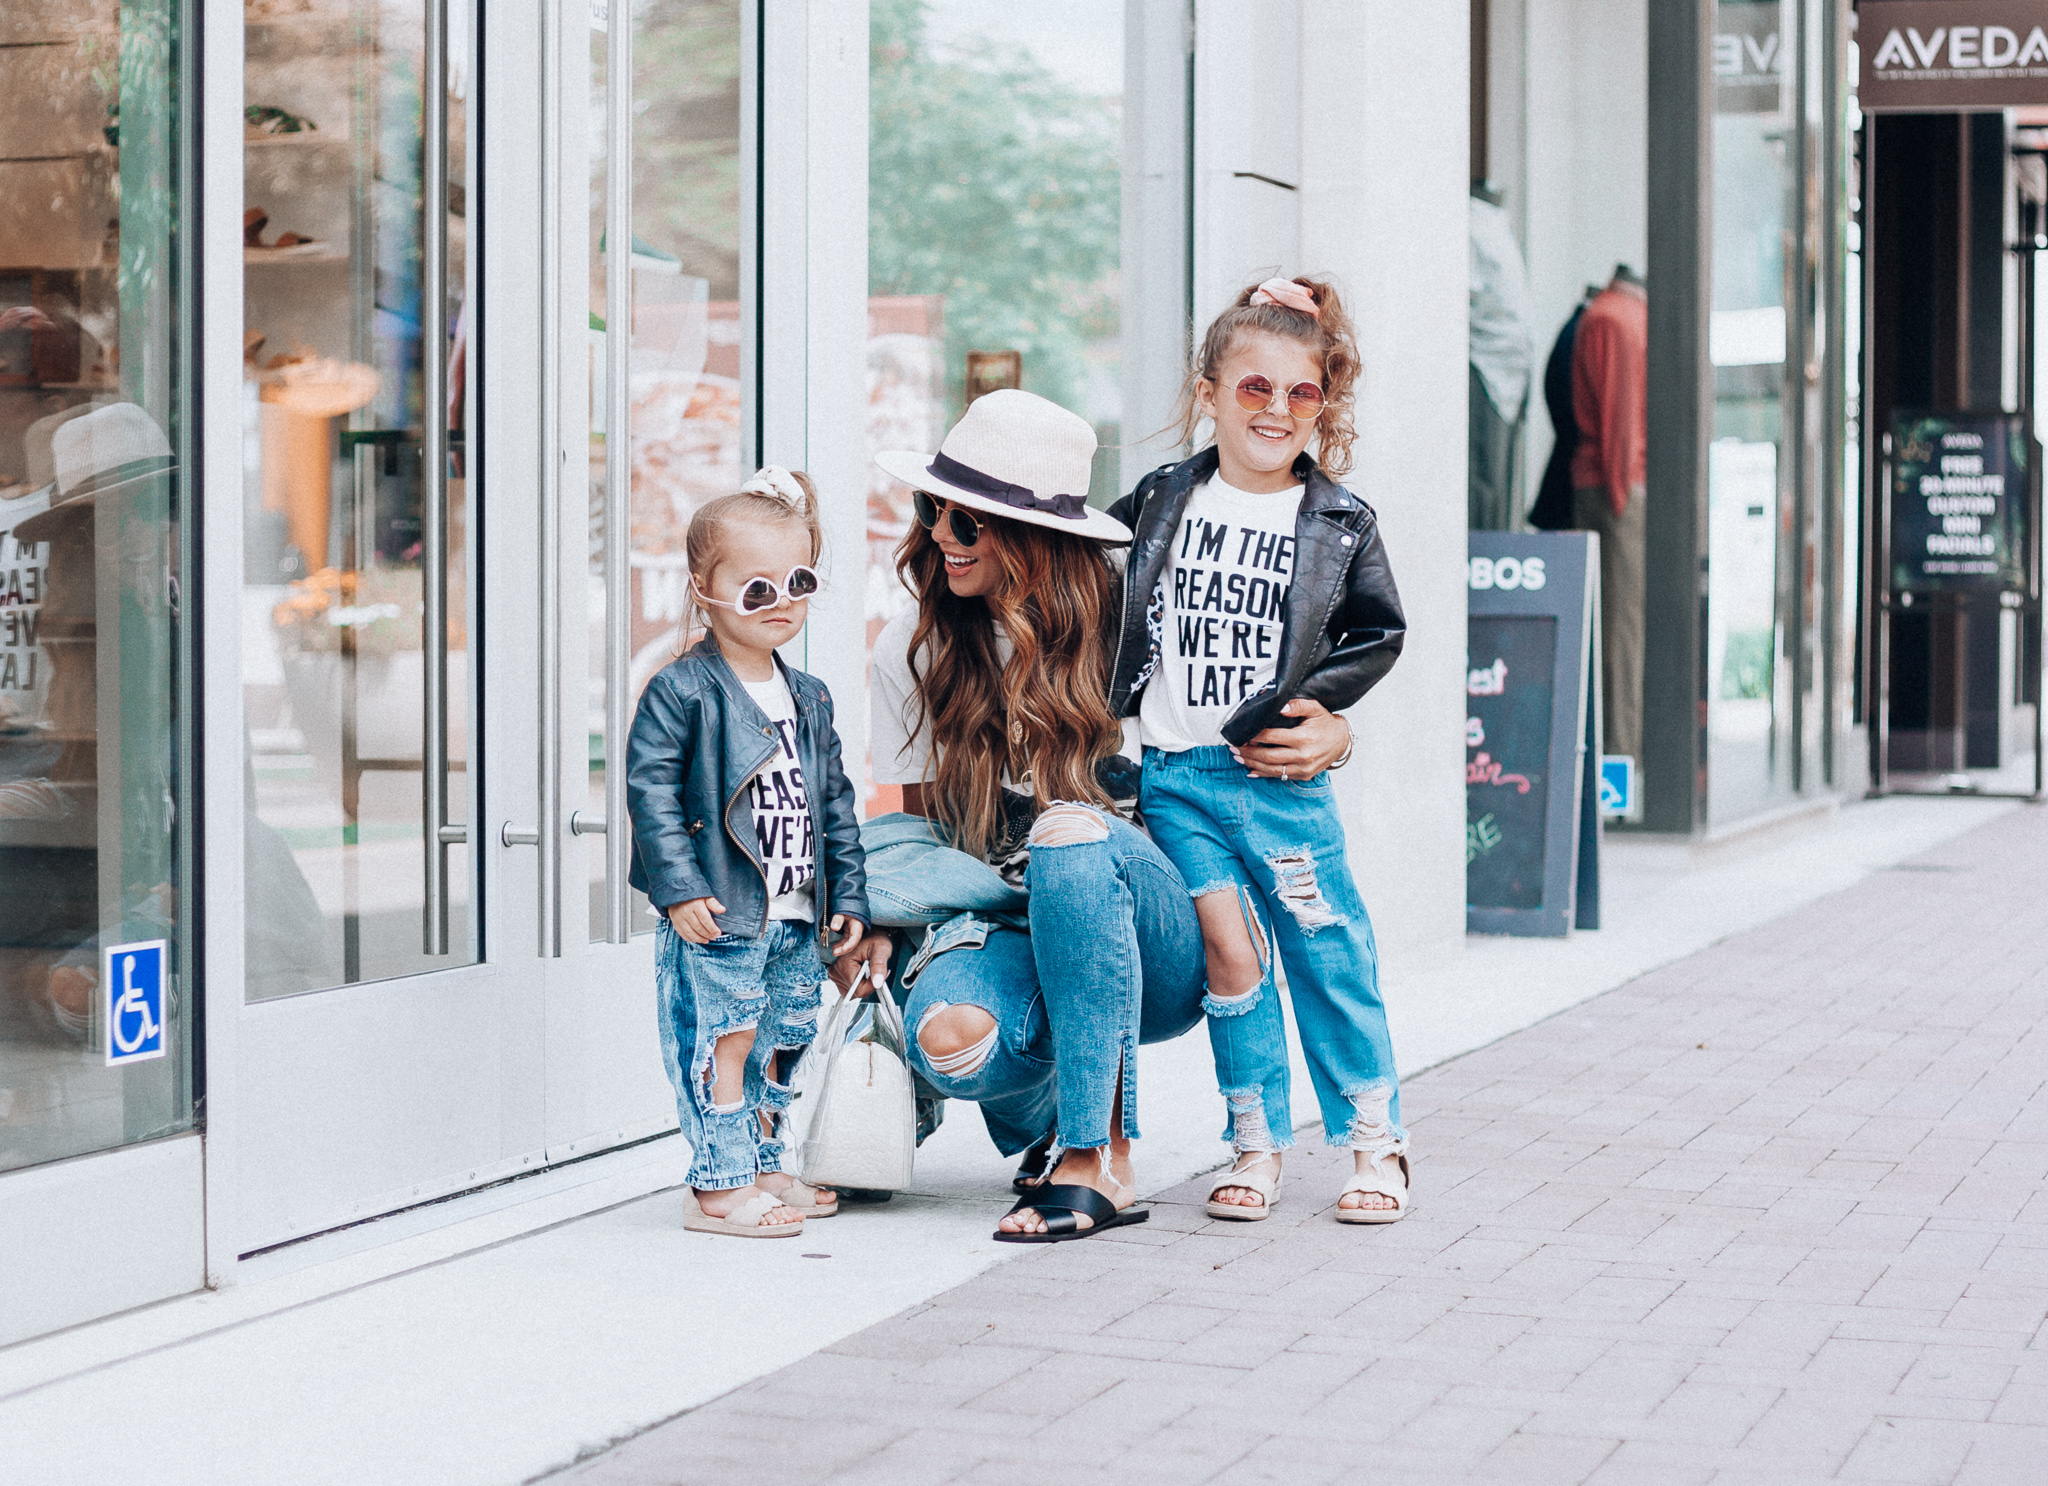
<point x="990" y="710"/>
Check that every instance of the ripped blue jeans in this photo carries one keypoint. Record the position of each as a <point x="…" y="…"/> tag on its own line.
<point x="1278" y="845"/>
<point x="706" y="991"/>
<point x="1113" y="959"/>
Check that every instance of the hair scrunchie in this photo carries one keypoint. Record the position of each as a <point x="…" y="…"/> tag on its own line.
<point x="1289" y="296"/>
<point x="775" y="481"/>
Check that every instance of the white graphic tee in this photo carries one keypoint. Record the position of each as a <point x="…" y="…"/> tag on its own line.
<point x="1226" y="581"/>
<point x="782" y="807"/>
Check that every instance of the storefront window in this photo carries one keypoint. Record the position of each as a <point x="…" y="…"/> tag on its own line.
<point x="95" y="980"/>
<point x="995" y="200"/>
<point x="1752" y="559"/>
<point x="338" y="347"/>
<point x="688" y="408"/>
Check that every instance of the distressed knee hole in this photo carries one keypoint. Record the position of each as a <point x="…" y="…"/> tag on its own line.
<point x="1294" y="883"/>
<point x="957" y="1040"/>
<point x="1234" y="984"/>
<point x="736" y="1043"/>
<point x="1249" y="1130"/>
<point x="1069" y="825"/>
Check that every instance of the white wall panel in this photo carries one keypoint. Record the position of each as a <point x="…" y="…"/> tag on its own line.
<point x="100" y="1234"/>
<point x="1384" y="166"/>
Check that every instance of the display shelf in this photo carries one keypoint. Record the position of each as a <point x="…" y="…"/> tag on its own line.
<point x="300" y="139"/>
<point x="293" y="255"/>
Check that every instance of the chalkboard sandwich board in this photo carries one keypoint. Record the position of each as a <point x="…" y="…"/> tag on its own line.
<point x="1529" y="692"/>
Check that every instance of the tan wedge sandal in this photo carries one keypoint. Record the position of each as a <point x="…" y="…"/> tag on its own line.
<point x="743" y="1221"/>
<point x="1387" y="1177"/>
<point x="1261" y="1176"/>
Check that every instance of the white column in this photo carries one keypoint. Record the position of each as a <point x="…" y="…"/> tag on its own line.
<point x="836" y="353"/>
<point x="813" y="315"/>
<point x="1384" y="159"/>
<point x="1247" y="138"/>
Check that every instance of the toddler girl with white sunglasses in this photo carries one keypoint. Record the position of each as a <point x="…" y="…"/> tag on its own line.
<point x="746" y="836"/>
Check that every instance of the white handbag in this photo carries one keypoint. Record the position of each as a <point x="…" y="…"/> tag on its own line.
<point x="854" y="1119"/>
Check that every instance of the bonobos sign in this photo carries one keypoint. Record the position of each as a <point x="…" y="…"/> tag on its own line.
<point x="1529" y="611"/>
<point x="1952" y="54"/>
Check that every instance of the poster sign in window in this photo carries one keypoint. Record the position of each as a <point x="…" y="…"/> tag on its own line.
<point x="133" y="978"/>
<point x="1617" y="785"/>
<point x="1959" y="502"/>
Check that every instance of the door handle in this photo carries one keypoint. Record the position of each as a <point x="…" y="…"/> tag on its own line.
<point x="618" y="464"/>
<point x="583" y="823"/>
<point x="512" y="835"/>
<point x="434" y="479"/>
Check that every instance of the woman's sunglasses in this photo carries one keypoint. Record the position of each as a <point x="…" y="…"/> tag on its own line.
<point x="758" y="595"/>
<point x="1304" y="399"/>
<point x="966" y="530"/>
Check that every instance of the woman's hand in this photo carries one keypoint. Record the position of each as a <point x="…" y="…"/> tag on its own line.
<point x="864" y="969"/>
<point x="693" y="919"/>
<point x="1302" y="751"/>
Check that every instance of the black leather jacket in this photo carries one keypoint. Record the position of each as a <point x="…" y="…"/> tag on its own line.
<point x="1343" y="626"/>
<point x="696" y="741"/>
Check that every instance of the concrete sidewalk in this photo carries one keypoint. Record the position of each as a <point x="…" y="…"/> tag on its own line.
<point x="1775" y="1213"/>
<point x="497" y="1336"/>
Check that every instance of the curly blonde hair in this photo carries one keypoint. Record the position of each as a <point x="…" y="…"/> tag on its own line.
<point x="1329" y="338"/>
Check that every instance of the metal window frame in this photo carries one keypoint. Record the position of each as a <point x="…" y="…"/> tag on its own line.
<point x="1680" y="414"/>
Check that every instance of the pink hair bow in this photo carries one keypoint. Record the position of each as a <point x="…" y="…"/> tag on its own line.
<point x="1288" y="295"/>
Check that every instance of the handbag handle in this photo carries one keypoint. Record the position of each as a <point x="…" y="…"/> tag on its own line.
<point x="889" y="1020"/>
<point x="845" y="1011"/>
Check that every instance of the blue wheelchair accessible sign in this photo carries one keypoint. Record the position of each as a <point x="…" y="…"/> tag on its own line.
<point x="134" y="976"/>
<point x="1617" y="784"/>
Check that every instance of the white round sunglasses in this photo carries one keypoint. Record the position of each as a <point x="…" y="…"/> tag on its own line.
<point x="760" y="594"/>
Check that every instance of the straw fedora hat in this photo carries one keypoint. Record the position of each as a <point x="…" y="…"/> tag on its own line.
<point x="1017" y="456"/>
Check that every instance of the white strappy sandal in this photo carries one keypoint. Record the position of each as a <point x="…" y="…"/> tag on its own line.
<point x="1261" y="1176"/>
<point x="1386" y="1177"/>
<point x="743" y="1221"/>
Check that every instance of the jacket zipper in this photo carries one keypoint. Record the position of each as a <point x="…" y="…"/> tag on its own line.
<point x="1117" y="661"/>
<point x="726" y="816"/>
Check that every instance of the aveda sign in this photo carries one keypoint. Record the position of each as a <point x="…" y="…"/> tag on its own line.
<point x="1952" y="54"/>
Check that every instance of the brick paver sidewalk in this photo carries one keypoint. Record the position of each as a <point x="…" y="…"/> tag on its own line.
<point x="1776" y="1213"/>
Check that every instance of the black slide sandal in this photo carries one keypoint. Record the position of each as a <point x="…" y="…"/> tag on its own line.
<point x="1031" y="1167"/>
<point x="1063" y="1206"/>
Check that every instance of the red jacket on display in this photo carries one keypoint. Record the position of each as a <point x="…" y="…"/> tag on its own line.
<point x="1610" y="380"/>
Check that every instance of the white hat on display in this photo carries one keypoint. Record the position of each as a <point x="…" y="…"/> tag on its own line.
<point x="1015" y="455"/>
<point x="106" y="449"/>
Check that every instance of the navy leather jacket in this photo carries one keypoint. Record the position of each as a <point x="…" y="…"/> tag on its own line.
<point x="1343" y="626"/>
<point x="697" y="739"/>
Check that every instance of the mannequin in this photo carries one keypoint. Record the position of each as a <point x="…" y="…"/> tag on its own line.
<point x="1610" y="377"/>
<point x="1502" y="356"/>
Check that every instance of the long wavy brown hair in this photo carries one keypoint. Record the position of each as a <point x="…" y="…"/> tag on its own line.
<point x="1045" y="715"/>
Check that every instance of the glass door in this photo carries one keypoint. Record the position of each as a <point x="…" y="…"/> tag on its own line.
<point x="390" y="1046"/>
<point x="661" y="406"/>
<point x="463" y="531"/>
